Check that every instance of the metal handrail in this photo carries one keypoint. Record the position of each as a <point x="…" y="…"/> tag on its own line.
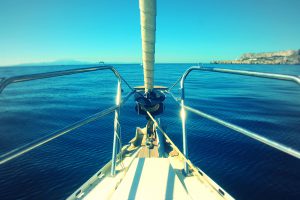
<point x="276" y="145"/>
<point x="285" y="77"/>
<point x="20" y="151"/>
<point x="31" y="146"/>
<point x="15" y="79"/>
<point x="253" y="135"/>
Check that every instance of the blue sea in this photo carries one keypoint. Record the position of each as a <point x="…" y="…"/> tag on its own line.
<point x="244" y="167"/>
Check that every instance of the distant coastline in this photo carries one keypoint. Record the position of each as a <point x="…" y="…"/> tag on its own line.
<point x="291" y="57"/>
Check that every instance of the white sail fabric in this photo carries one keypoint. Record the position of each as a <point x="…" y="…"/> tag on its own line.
<point x="148" y="27"/>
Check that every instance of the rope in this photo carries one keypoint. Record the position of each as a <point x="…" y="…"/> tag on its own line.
<point x="172" y="144"/>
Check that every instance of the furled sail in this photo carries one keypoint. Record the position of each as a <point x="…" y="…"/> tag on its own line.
<point x="148" y="27"/>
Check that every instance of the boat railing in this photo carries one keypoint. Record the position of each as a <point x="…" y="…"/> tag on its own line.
<point x="251" y="134"/>
<point x="116" y="109"/>
<point x="119" y="102"/>
<point x="15" y="79"/>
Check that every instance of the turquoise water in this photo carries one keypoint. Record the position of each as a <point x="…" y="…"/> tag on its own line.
<point x="243" y="167"/>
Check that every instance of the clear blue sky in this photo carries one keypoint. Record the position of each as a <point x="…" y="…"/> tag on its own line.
<point x="109" y="30"/>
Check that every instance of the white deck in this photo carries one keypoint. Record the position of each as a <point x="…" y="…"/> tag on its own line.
<point x="144" y="175"/>
<point x="150" y="178"/>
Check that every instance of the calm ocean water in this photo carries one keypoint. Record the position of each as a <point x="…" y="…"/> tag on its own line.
<point x="245" y="168"/>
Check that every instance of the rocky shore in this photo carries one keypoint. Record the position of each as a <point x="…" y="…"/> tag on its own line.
<point x="281" y="57"/>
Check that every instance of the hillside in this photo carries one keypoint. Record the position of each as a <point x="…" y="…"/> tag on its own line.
<point x="280" y="57"/>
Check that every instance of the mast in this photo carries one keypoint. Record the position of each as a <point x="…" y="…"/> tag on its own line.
<point x="148" y="27"/>
<point x="150" y="100"/>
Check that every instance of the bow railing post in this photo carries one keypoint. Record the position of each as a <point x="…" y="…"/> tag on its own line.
<point x="116" y="130"/>
<point x="183" y="125"/>
<point x="4" y="82"/>
<point x="184" y="108"/>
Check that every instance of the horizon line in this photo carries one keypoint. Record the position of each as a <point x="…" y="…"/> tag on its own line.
<point x="44" y="64"/>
